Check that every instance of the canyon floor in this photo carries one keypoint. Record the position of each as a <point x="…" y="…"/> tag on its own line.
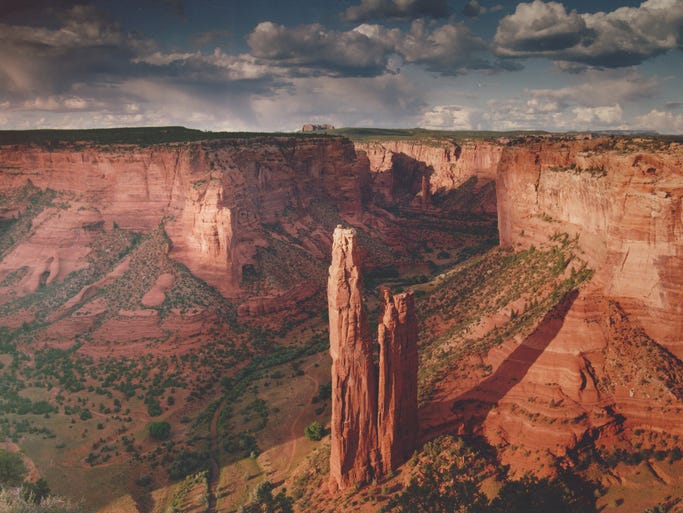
<point x="167" y="275"/>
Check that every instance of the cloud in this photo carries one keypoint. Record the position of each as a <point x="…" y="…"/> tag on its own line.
<point x="661" y="121"/>
<point x="312" y="47"/>
<point x="624" y="37"/>
<point x="86" y="47"/>
<point x="449" y="49"/>
<point x="369" y="50"/>
<point x="603" y="116"/>
<point x="539" y="28"/>
<point x="447" y="117"/>
<point x="601" y="88"/>
<point x="397" y="9"/>
<point x="544" y="113"/>
<point x="42" y="8"/>
<point x="473" y="9"/>
<point x="210" y="37"/>
<point x="387" y="100"/>
<point x="214" y="66"/>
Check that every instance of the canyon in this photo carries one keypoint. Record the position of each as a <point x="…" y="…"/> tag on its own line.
<point x="543" y="278"/>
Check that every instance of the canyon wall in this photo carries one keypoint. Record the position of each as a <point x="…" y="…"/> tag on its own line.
<point x="213" y="196"/>
<point x="373" y="427"/>
<point x="397" y="168"/>
<point x="625" y="202"/>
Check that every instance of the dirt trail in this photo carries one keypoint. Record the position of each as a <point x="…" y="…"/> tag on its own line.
<point x="214" y="475"/>
<point x="295" y="430"/>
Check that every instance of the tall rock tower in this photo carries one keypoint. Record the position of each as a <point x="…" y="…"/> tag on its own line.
<point x="353" y="451"/>
<point x="397" y="402"/>
<point x="373" y="430"/>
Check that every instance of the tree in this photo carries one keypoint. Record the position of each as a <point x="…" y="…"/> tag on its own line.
<point x="567" y="493"/>
<point x="265" y="502"/>
<point x="12" y="468"/>
<point x="314" y="431"/>
<point x="159" y="430"/>
<point x="35" y="492"/>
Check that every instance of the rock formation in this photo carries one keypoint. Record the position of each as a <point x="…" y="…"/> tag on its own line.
<point x="397" y="403"/>
<point x="353" y="452"/>
<point x="373" y="431"/>
<point x="398" y="166"/>
<point x="625" y="202"/>
<point x="214" y="196"/>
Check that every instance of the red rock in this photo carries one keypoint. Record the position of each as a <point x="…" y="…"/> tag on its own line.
<point x="353" y="451"/>
<point x="397" y="402"/>
<point x="628" y="219"/>
<point x="373" y="430"/>
<point x="445" y="165"/>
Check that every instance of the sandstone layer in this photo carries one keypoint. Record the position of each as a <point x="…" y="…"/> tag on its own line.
<point x="625" y="202"/>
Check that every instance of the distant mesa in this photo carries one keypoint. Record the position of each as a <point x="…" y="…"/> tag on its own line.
<point x="309" y="127"/>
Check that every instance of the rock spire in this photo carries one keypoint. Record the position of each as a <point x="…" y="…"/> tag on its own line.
<point x="373" y="428"/>
<point x="397" y="402"/>
<point x="353" y="451"/>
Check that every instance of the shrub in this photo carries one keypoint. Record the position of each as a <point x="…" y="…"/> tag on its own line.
<point x="35" y="492"/>
<point x="12" y="469"/>
<point x="159" y="430"/>
<point x="314" y="431"/>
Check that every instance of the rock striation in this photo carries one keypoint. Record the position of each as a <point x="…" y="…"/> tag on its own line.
<point x="373" y="428"/>
<point x="624" y="199"/>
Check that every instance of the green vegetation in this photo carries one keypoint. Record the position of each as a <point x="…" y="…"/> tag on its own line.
<point x="35" y="492"/>
<point x="29" y="201"/>
<point x="265" y="502"/>
<point x="12" y="469"/>
<point x="421" y="134"/>
<point x="489" y="283"/>
<point x="596" y="171"/>
<point x="159" y="430"/>
<point x="448" y="475"/>
<point x="139" y="136"/>
<point x="314" y="431"/>
<point x="12" y="501"/>
<point x="187" y="463"/>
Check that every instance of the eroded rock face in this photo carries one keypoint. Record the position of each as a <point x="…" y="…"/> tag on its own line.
<point x="373" y="430"/>
<point x="353" y="452"/>
<point x="398" y="168"/>
<point x="213" y="196"/>
<point x="397" y="402"/>
<point x="626" y="205"/>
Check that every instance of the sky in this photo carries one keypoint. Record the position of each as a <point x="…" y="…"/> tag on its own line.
<point x="268" y="65"/>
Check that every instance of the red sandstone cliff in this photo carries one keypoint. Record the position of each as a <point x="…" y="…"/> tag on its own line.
<point x="397" y="402"/>
<point x="214" y="196"/>
<point x="397" y="168"/>
<point x="626" y="204"/>
<point x="353" y="452"/>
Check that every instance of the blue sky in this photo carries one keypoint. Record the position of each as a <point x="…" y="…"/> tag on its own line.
<point x="275" y="65"/>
